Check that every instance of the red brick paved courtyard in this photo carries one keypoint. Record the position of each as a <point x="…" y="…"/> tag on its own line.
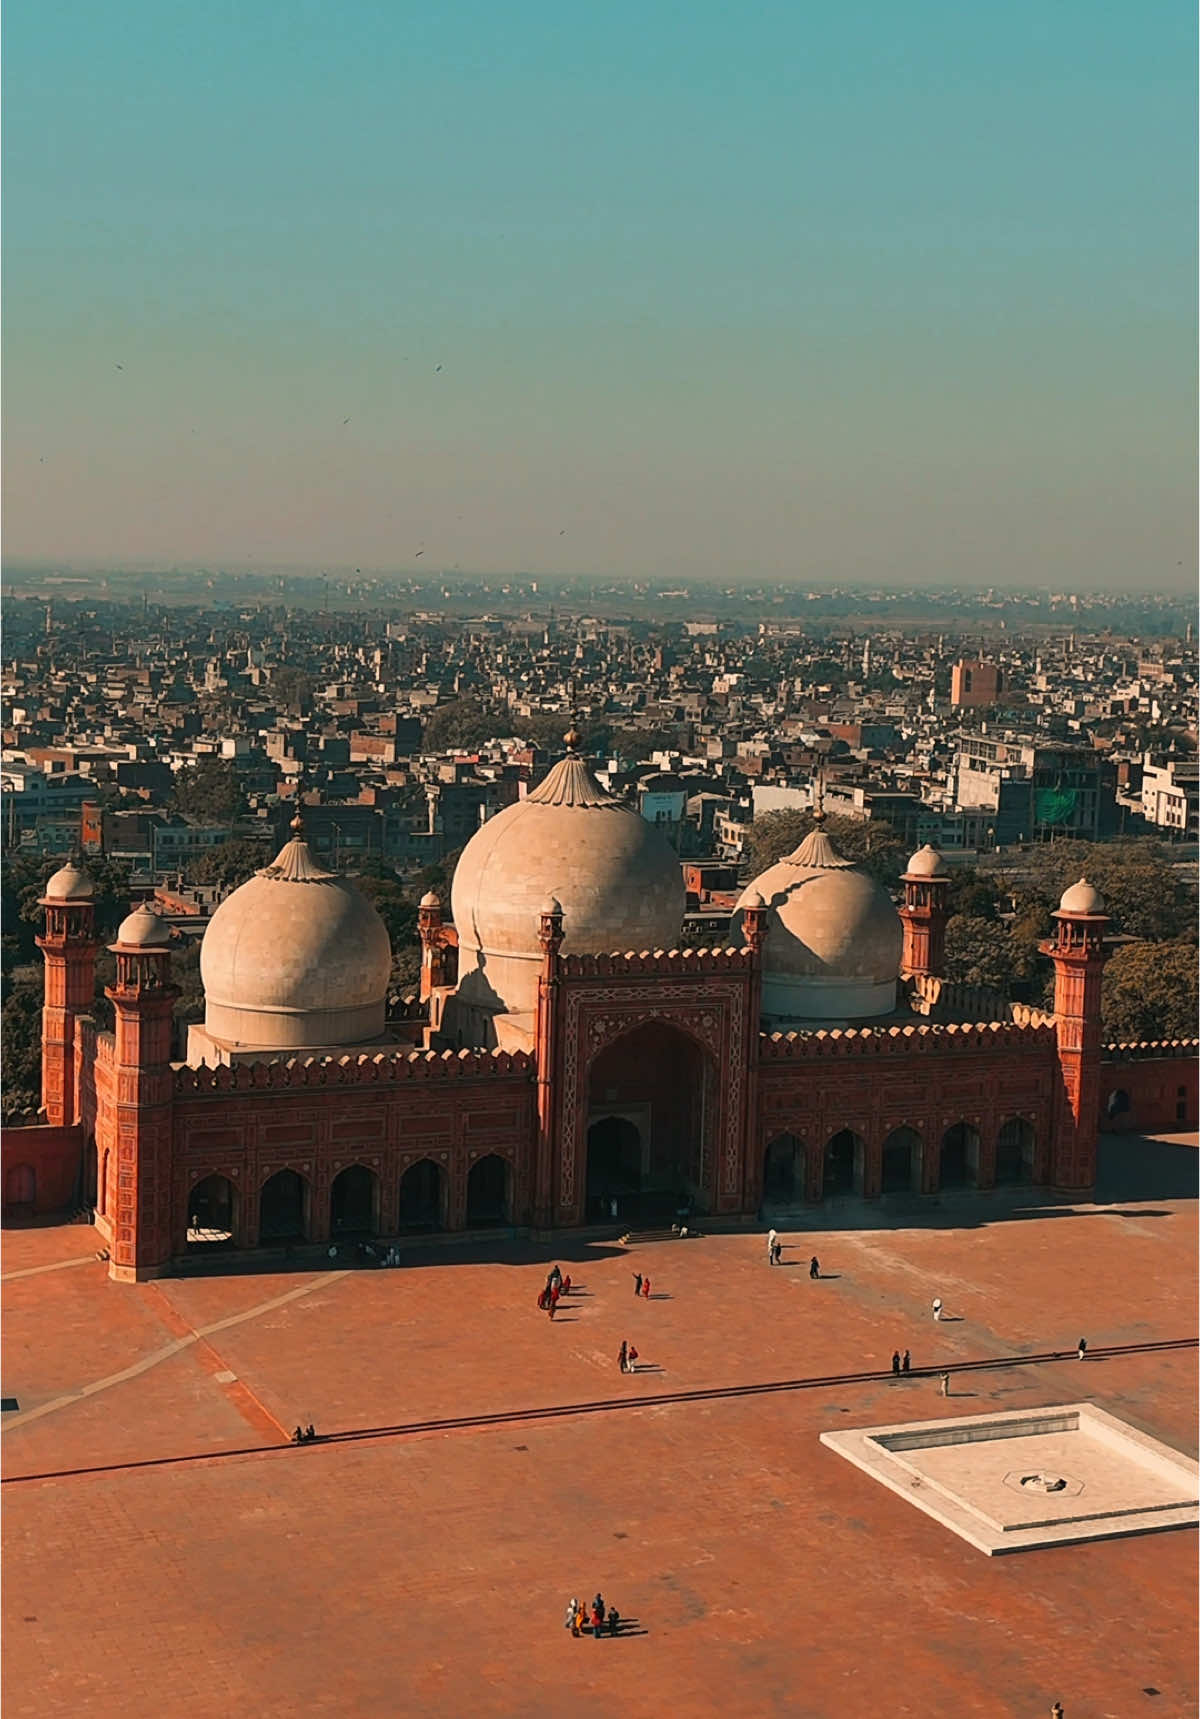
<point x="427" y="1572"/>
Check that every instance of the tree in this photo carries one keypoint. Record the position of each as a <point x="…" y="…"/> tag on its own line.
<point x="972" y="893"/>
<point x="1150" y="992"/>
<point x="292" y="688"/>
<point x="1146" y="897"/>
<point x="230" y="864"/>
<point x="439" y="877"/>
<point x="874" y="846"/>
<point x="979" y="952"/>
<point x="464" y="722"/>
<point x="21" y="1029"/>
<point x="208" y="791"/>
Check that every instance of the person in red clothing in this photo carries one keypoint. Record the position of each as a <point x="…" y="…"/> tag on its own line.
<point x="597" y="1620"/>
<point x="646" y="1287"/>
<point x="566" y="1285"/>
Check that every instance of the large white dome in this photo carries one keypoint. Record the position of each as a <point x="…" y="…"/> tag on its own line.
<point x="296" y="958"/>
<point x="618" y="879"/>
<point x="834" y="938"/>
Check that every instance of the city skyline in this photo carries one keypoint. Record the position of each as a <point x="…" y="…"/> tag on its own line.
<point x="834" y="298"/>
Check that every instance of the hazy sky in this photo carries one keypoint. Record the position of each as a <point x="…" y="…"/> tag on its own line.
<point x="863" y="288"/>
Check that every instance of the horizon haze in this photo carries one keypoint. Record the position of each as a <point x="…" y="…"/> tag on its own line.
<point x="861" y="295"/>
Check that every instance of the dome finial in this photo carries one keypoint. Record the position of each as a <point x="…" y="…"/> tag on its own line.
<point x="297" y="826"/>
<point x="571" y="740"/>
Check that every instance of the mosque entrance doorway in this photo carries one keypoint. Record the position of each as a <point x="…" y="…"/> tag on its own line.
<point x="421" y="1197"/>
<point x="783" y="1171"/>
<point x="1014" y="1153"/>
<point x="902" y="1162"/>
<point x="959" y="1156"/>
<point x="212" y="1205"/>
<point x="352" y="1203"/>
<point x="282" y="1209"/>
<point x="650" y="1104"/>
<point x="487" y="1193"/>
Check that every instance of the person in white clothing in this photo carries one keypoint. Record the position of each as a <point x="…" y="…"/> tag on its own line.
<point x="937" y="1309"/>
<point x="771" y="1247"/>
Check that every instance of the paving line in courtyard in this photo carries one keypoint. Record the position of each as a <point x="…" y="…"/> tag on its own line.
<point x="170" y="1349"/>
<point x="605" y="1405"/>
<point x="59" y="1265"/>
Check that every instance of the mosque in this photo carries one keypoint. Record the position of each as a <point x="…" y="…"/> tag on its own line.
<point x="570" y="1063"/>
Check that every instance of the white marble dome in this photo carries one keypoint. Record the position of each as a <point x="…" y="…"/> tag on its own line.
<point x="618" y="881"/>
<point x="143" y="929"/>
<point x="69" y="883"/>
<point x="926" y="862"/>
<point x="1082" y="897"/>
<point x="834" y="938"/>
<point x="297" y="958"/>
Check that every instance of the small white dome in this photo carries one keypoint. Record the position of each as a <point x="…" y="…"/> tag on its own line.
<point x="1082" y="897"/>
<point x="926" y="862"/>
<point x="144" y="929"/>
<point x="430" y="899"/>
<point x="296" y="958"/>
<point x="69" y="883"/>
<point x="834" y="938"/>
<point x="550" y="906"/>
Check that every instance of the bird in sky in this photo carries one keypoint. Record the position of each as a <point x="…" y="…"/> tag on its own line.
<point x="437" y="367"/>
<point x="119" y="367"/>
<point x="418" y="555"/>
<point x="345" y="421"/>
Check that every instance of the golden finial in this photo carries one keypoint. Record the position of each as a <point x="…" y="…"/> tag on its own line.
<point x="571" y="739"/>
<point x="297" y="826"/>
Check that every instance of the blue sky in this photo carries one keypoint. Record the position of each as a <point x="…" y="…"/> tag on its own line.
<point x="844" y="291"/>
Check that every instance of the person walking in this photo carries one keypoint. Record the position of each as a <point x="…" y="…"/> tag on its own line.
<point x="945" y="1384"/>
<point x="646" y="1288"/>
<point x="814" y="1267"/>
<point x="597" y="1623"/>
<point x="550" y="1308"/>
<point x="633" y="1355"/>
<point x="577" y="1621"/>
<point x="598" y="1606"/>
<point x="906" y="1362"/>
<point x="1081" y="1350"/>
<point x="895" y="1360"/>
<point x="777" y="1257"/>
<point x="566" y="1284"/>
<point x="572" y="1608"/>
<point x="937" y="1308"/>
<point x="623" y="1356"/>
<point x="770" y="1247"/>
<point x="637" y="1283"/>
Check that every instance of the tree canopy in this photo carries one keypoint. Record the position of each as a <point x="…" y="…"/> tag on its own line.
<point x="230" y="864"/>
<point x="875" y="846"/>
<point x="1150" y="992"/>
<point x="208" y="791"/>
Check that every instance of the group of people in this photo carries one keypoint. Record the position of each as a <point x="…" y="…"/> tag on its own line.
<point x="556" y="1287"/>
<point x="596" y="1617"/>
<point x="641" y="1285"/>
<point x="627" y="1357"/>
<point x="775" y="1255"/>
<point x="305" y="1435"/>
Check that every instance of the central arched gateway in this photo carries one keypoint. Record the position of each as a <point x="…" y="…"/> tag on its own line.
<point x="650" y="1097"/>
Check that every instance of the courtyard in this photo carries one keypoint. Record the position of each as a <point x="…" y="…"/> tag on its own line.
<point x="167" y="1549"/>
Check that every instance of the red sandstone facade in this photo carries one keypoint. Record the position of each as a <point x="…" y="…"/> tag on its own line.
<point x="658" y="1053"/>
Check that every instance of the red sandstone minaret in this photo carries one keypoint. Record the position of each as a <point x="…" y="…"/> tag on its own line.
<point x="429" y="929"/>
<point x="1077" y="950"/>
<point x="138" y="1200"/>
<point x="926" y="887"/>
<point x="68" y="944"/>
<point x="546" y="1030"/>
